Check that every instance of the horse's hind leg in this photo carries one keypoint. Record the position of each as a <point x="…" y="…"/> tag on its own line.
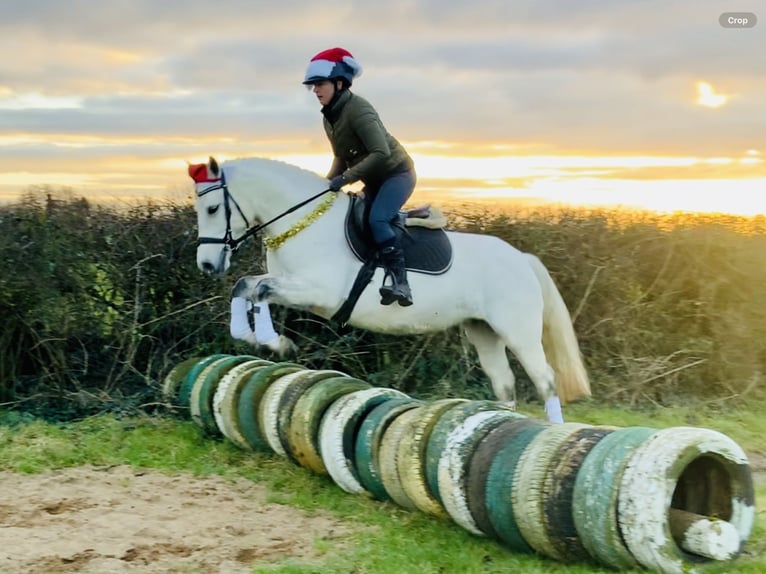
<point x="532" y="357"/>
<point x="491" y="350"/>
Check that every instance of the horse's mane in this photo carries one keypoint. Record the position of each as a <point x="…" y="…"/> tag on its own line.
<point x="271" y="170"/>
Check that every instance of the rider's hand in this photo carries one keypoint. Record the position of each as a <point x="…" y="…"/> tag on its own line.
<point x="337" y="182"/>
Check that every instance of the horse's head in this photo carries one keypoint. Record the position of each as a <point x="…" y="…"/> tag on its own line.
<point x="219" y="218"/>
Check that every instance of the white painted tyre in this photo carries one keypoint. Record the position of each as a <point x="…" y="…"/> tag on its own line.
<point x="225" y="400"/>
<point x="694" y="469"/>
<point x="269" y="409"/>
<point x="336" y="434"/>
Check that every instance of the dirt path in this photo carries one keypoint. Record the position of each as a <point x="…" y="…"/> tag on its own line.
<point x="120" y="520"/>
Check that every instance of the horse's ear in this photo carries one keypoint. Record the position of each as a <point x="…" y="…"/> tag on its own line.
<point x="213" y="166"/>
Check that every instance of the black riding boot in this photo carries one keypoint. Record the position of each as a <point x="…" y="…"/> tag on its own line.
<point x="398" y="289"/>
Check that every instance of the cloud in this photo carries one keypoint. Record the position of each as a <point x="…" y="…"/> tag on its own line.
<point x="147" y="79"/>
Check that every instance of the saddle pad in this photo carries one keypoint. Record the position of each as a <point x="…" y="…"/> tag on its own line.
<point x="425" y="250"/>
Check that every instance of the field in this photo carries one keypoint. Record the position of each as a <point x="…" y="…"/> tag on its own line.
<point x="153" y="495"/>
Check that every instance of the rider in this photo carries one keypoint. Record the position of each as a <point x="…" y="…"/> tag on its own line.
<point x="364" y="150"/>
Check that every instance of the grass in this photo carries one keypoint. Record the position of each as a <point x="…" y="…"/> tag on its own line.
<point x="389" y="539"/>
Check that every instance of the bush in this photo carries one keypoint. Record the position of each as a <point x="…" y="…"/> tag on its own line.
<point x="99" y="303"/>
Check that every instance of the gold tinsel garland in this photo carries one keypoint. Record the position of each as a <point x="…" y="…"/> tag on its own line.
<point x="275" y="243"/>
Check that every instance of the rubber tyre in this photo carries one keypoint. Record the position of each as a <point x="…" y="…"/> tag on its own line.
<point x="500" y="483"/>
<point x="451" y="418"/>
<point x="226" y="400"/>
<point x="288" y="401"/>
<point x="268" y="410"/>
<point x="201" y="400"/>
<point x="563" y="541"/>
<point x="454" y="464"/>
<point x="594" y="498"/>
<point x="250" y="401"/>
<point x="389" y="457"/>
<point x="338" y="433"/>
<point x="412" y="457"/>
<point x="527" y="494"/>
<point x="367" y="447"/>
<point x="303" y="430"/>
<point x="173" y="380"/>
<point x="714" y="478"/>
<point x="185" y="389"/>
<point x="480" y="463"/>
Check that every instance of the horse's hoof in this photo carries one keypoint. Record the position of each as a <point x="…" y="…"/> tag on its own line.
<point x="283" y="347"/>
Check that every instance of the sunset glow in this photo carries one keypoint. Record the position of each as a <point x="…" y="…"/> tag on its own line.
<point x="540" y="102"/>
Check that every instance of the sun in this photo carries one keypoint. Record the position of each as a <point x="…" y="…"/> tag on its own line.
<point x="707" y="96"/>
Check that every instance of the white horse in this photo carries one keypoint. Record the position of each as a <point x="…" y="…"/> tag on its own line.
<point x="503" y="298"/>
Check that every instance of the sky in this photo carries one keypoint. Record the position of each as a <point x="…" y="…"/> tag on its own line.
<point x="636" y="102"/>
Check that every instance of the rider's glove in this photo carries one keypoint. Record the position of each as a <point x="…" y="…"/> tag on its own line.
<point x="337" y="182"/>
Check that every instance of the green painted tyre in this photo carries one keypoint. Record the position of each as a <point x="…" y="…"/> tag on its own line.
<point x="185" y="389"/>
<point x="250" y="400"/>
<point x="201" y="401"/>
<point x="500" y="483"/>
<point x="558" y="490"/>
<point x="594" y="498"/>
<point x="172" y="381"/>
<point x="479" y="465"/>
<point x="367" y="447"/>
<point x="302" y="433"/>
<point x="226" y="400"/>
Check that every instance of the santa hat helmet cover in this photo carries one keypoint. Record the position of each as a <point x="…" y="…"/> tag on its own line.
<point x="332" y="64"/>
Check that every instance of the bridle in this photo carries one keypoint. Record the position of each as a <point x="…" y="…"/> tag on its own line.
<point x="228" y="239"/>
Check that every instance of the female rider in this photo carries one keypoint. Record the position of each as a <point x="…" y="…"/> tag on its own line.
<point x="364" y="150"/>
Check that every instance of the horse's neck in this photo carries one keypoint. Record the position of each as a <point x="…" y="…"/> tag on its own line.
<point x="269" y="190"/>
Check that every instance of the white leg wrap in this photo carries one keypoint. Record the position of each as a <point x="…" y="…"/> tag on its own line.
<point x="239" y="327"/>
<point x="553" y="410"/>
<point x="264" y="328"/>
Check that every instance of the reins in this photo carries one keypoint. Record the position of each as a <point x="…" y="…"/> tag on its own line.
<point x="232" y="242"/>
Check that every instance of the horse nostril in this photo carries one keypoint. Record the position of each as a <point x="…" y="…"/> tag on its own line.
<point x="208" y="267"/>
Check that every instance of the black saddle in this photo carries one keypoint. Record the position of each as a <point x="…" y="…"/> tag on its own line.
<point x="425" y="250"/>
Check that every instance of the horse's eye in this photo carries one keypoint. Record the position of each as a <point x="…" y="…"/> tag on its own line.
<point x="212" y="209"/>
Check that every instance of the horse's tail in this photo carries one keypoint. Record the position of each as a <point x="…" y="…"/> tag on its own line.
<point x="559" y="339"/>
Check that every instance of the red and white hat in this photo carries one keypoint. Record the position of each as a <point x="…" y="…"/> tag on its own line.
<point x="332" y="64"/>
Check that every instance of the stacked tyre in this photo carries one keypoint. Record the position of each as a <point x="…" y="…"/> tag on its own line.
<point x="623" y="497"/>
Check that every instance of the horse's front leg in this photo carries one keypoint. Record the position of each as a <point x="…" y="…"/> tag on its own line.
<point x="261" y="289"/>
<point x="282" y="290"/>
